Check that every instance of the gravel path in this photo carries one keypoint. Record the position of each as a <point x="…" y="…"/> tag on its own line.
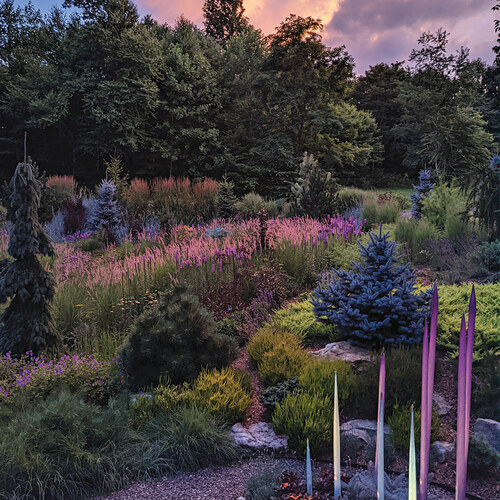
<point x="226" y="483"/>
<point x="221" y="483"/>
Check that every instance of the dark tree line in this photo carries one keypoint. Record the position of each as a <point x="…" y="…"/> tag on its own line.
<point x="102" y="83"/>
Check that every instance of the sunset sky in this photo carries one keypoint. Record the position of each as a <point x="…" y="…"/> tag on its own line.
<point x="372" y="30"/>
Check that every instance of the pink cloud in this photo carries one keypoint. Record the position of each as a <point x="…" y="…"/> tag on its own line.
<point x="372" y="30"/>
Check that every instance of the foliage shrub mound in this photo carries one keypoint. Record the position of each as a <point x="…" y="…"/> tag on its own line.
<point x="375" y="304"/>
<point x="481" y="459"/>
<point x="276" y="393"/>
<point x="403" y="376"/>
<point x="318" y="378"/>
<point x="266" y="339"/>
<point x="453" y="301"/>
<point x="282" y="362"/>
<point x="399" y="424"/>
<point x="29" y="378"/>
<point x="298" y="319"/>
<point x="303" y="416"/>
<point x="223" y="394"/>
<point x="174" y="340"/>
<point x="489" y="256"/>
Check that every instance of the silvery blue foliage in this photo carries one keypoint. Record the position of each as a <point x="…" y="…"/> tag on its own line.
<point x="422" y="191"/>
<point x="355" y="212"/>
<point x="106" y="213"/>
<point x="55" y="228"/>
<point x="374" y="304"/>
<point x="152" y="225"/>
<point x="121" y="232"/>
<point x="91" y="207"/>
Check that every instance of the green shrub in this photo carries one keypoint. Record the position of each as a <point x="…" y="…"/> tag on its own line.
<point x="229" y="327"/>
<point x="304" y="416"/>
<point x="443" y="202"/>
<point x="486" y="388"/>
<point x="453" y="300"/>
<point x="489" y="255"/>
<point x="282" y="362"/>
<point x="403" y="382"/>
<point x="168" y="397"/>
<point x="399" y="423"/>
<point x="415" y="234"/>
<point x="190" y="439"/>
<point x="318" y="378"/>
<point x="299" y="319"/>
<point x="141" y="410"/>
<point x="90" y="245"/>
<point x="174" y="340"/>
<point x="341" y="255"/>
<point x="61" y="447"/>
<point x="481" y="458"/>
<point x="252" y="203"/>
<point x="263" y="485"/>
<point x="266" y="339"/>
<point x="222" y="393"/>
<point x="276" y="393"/>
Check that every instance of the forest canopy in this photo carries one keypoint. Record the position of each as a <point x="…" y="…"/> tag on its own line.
<point x="93" y="81"/>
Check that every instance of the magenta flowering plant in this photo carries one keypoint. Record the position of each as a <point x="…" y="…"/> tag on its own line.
<point x="32" y="377"/>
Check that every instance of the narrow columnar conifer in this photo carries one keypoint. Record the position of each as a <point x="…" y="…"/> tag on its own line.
<point x="26" y="324"/>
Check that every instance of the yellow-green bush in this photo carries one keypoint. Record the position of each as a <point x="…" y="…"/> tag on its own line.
<point x="223" y="394"/>
<point x="164" y="399"/>
<point x="399" y="423"/>
<point x="266" y="339"/>
<point x="282" y="362"/>
<point x="453" y="300"/>
<point x="299" y="319"/>
<point x="303" y="416"/>
<point x="443" y="201"/>
<point x="318" y="378"/>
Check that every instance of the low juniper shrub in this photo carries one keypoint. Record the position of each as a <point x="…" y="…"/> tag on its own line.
<point x="276" y="393"/>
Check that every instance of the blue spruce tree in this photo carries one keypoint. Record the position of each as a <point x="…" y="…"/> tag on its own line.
<point x="375" y="304"/>
<point x="107" y="213"/>
<point x="26" y="321"/>
<point x="422" y="191"/>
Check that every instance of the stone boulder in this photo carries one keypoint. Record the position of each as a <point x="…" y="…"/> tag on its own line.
<point x="364" y="430"/>
<point x="443" y="451"/>
<point x="488" y="430"/>
<point x="440" y="404"/>
<point x="344" y="351"/>
<point x="260" y="436"/>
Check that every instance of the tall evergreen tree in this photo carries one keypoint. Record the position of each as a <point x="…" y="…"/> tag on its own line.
<point x="26" y="321"/>
<point x="224" y="19"/>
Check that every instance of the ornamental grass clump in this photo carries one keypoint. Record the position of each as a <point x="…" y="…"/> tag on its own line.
<point x="266" y="339"/>
<point x="376" y="304"/>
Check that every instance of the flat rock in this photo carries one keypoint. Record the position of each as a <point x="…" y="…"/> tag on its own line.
<point x="344" y="351"/>
<point x="259" y="436"/>
<point x="488" y="430"/>
<point x="366" y="430"/>
<point x="443" y="451"/>
<point x="441" y="405"/>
